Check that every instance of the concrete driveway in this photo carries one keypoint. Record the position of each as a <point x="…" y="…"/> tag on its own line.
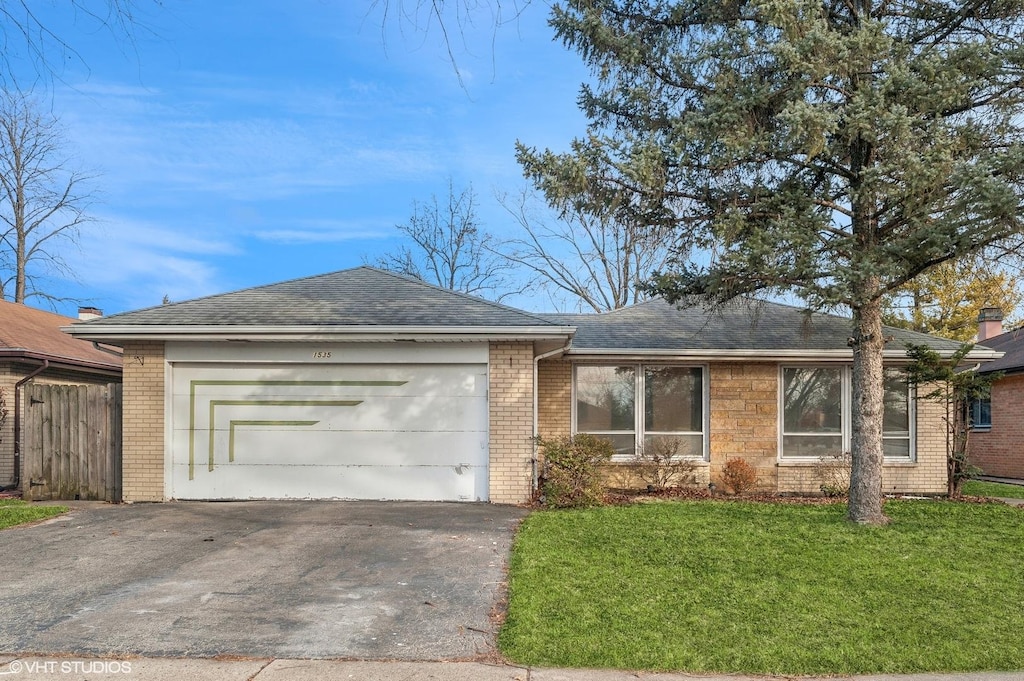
<point x="368" y="580"/>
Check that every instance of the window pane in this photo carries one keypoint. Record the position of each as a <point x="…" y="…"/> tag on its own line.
<point x="981" y="412"/>
<point x="675" y="445"/>
<point x="896" y="414"/>
<point x="896" y="448"/>
<point x="673" y="399"/>
<point x="605" y="398"/>
<point x="813" y="401"/>
<point x="812" y="445"/>
<point x="625" y="445"/>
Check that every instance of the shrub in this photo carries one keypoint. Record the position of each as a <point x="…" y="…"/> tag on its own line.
<point x="571" y="475"/>
<point x="738" y="475"/>
<point x="834" y="473"/>
<point x="659" y="466"/>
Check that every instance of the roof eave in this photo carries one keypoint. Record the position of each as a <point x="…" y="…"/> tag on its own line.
<point x="61" y="362"/>
<point x="115" y="334"/>
<point x="760" y="355"/>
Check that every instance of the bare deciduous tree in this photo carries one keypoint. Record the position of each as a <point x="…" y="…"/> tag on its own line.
<point x="453" y="20"/>
<point x="592" y="262"/>
<point x="43" y="201"/>
<point x="28" y="40"/>
<point x="449" y="248"/>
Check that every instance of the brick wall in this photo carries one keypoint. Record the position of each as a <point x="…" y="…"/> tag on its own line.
<point x="1000" y="451"/>
<point x="143" y="437"/>
<point x="744" y="399"/>
<point x="554" y="398"/>
<point x="511" y="421"/>
<point x="744" y="418"/>
<point x="927" y="475"/>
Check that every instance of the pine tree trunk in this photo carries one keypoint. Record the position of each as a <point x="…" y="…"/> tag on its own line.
<point x="866" y="447"/>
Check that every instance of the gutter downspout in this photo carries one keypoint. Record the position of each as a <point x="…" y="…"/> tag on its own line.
<point x="536" y="407"/>
<point x="17" y="420"/>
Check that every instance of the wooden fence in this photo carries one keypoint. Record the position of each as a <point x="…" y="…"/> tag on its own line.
<point x="72" y="442"/>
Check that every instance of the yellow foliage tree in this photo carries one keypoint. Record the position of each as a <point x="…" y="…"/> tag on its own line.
<point x="945" y="301"/>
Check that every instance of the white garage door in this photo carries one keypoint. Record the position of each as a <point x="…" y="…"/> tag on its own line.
<point x="360" y="431"/>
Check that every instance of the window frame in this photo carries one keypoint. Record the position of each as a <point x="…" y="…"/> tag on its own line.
<point x="846" y="415"/>
<point x="974" y="408"/>
<point x="639" y="431"/>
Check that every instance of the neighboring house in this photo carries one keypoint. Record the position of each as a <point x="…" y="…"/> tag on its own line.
<point x="367" y="384"/>
<point x="996" y="443"/>
<point x="33" y="348"/>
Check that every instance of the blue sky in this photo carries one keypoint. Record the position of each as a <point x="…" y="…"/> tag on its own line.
<point x="240" y="143"/>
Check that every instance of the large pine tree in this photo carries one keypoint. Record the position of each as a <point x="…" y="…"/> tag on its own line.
<point x="835" y="150"/>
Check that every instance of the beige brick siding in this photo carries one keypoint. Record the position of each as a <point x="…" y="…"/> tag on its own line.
<point x="744" y="418"/>
<point x="554" y="398"/>
<point x="1000" y="451"/>
<point x="143" y="437"/>
<point x="927" y="475"/>
<point x="9" y="376"/>
<point x="510" y="404"/>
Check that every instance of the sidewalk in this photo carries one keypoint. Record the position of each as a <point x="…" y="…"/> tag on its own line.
<point x="157" y="669"/>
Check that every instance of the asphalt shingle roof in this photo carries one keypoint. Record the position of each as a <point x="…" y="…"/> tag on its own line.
<point x="31" y="330"/>
<point x="1012" y="344"/>
<point x="739" y="325"/>
<point x="362" y="296"/>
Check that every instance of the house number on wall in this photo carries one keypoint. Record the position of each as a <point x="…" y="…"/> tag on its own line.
<point x="321" y="354"/>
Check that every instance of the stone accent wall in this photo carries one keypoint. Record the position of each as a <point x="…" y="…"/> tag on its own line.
<point x="510" y="407"/>
<point x="143" y="436"/>
<point x="745" y="419"/>
<point x="1000" y="451"/>
<point x="554" y="398"/>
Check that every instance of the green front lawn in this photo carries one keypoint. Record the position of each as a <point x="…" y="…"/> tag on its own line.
<point x="17" y="512"/>
<point x="980" y="488"/>
<point x="769" y="589"/>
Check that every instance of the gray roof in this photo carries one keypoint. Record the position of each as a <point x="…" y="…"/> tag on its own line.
<point x="1011" y="343"/>
<point x="739" y="325"/>
<point x="362" y="296"/>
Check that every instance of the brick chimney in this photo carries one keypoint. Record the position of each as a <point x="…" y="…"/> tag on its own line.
<point x="990" y="323"/>
<point x="87" y="313"/>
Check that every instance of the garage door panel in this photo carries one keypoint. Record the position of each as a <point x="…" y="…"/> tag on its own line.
<point x="433" y="412"/>
<point x="287" y="444"/>
<point x="267" y="431"/>
<point x="422" y="483"/>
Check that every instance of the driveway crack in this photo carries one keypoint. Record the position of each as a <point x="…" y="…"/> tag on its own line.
<point x="260" y="670"/>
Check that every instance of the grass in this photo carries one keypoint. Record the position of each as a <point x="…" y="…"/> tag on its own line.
<point x="769" y="589"/>
<point x="980" y="488"/>
<point x="17" y="512"/>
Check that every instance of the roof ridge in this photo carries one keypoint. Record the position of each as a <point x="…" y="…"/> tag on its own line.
<point x="468" y="296"/>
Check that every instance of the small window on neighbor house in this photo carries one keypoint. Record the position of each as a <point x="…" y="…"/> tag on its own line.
<point x="981" y="413"/>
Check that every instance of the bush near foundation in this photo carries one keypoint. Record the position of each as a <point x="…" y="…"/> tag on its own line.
<point x="571" y="474"/>
<point x="739" y="476"/>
